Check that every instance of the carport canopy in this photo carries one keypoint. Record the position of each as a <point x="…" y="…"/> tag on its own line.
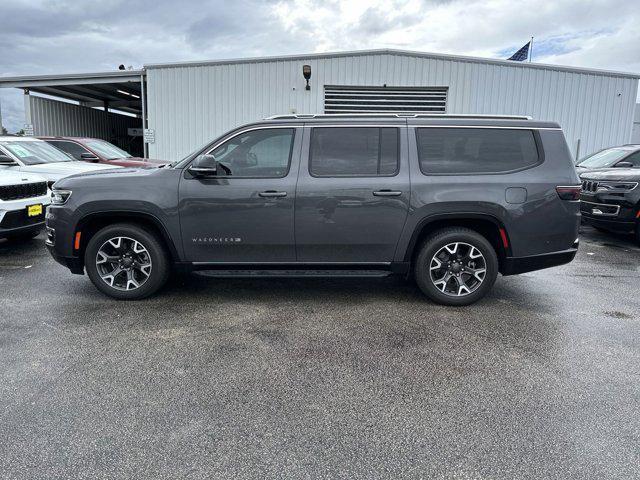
<point x="119" y="90"/>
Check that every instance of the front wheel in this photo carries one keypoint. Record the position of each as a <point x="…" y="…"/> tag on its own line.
<point x="456" y="266"/>
<point x="126" y="262"/>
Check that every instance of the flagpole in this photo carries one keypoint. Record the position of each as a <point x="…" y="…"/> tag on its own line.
<point x="531" y="50"/>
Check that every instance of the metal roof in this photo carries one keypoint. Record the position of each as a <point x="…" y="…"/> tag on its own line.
<point x="390" y="51"/>
<point x="121" y="89"/>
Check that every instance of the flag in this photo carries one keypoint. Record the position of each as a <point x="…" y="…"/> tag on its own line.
<point x="521" y="55"/>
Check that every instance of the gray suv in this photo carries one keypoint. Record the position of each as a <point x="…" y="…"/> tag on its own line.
<point x="449" y="200"/>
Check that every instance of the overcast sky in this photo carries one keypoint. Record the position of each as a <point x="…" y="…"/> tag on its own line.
<point x="61" y="36"/>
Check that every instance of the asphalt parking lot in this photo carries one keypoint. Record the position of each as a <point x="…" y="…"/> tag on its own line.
<point x="322" y="378"/>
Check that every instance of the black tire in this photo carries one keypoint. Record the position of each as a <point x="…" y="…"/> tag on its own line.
<point x="437" y="241"/>
<point x="158" y="256"/>
<point x="638" y="232"/>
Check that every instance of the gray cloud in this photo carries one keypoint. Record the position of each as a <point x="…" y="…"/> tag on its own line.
<point x="59" y="36"/>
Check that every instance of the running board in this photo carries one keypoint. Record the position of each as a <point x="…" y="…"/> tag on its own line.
<point x="292" y="273"/>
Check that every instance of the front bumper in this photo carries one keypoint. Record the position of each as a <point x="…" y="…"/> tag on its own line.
<point x="15" y="222"/>
<point x="615" y="213"/>
<point x="72" y="263"/>
<point x="59" y="240"/>
<point x="611" y="224"/>
<point x="516" y="265"/>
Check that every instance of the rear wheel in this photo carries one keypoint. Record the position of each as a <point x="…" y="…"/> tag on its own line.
<point x="126" y="262"/>
<point x="638" y="231"/>
<point x="456" y="266"/>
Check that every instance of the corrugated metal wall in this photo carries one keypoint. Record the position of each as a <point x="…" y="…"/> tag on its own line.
<point x="635" y="135"/>
<point x="189" y="105"/>
<point x="51" y="117"/>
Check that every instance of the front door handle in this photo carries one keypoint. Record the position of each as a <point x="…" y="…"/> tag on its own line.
<point x="387" y="193"/>
<point x="272" y="193"/>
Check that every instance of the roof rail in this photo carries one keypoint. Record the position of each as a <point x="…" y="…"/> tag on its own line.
<point x="400" y="115"/>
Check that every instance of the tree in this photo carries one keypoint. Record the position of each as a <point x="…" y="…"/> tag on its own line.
<point x="4" y="131"/>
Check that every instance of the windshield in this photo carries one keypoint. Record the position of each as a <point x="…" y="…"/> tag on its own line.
<point x="605" y="158"/>
<point x="35" y="152"/>
<point x="106" y="150"/>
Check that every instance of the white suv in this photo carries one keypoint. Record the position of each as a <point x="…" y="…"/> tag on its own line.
<point x="28" y="154"/>
<point x="23" y="200"/>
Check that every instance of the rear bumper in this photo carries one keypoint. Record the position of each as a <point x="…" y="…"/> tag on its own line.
<point x="516" y="265"/>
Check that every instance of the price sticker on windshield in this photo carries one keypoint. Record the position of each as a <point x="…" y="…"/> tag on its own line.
<point x="19" y="150"/>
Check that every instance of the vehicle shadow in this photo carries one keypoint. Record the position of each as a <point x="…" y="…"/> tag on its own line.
<point x="20" y="246"/>
<point x="609" y="239"/>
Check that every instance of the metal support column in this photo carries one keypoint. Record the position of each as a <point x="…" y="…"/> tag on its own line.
<point x="143" y="90"/>
<point x="27" y="111"/>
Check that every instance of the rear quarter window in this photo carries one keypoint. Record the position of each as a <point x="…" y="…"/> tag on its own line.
<point x="468" y="151"/>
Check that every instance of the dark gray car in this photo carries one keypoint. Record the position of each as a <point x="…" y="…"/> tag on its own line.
<point x="624" y="156"/>
<point x="449" y="200"/>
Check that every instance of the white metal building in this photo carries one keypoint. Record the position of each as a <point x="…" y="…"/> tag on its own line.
<point x="635" y="135"/>
<point x="187" y="104"/>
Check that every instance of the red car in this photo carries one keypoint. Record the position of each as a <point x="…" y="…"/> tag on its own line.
<point x="98" y="151"/>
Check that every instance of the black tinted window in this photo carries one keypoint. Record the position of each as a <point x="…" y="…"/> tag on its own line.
<point x="257" y="153"/>
<point x="71" y="148"/>
<point x="475" y="150"/>
<point x="633" y="159"/>
<point x="354" y="151"/>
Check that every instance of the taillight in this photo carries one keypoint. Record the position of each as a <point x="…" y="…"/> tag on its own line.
<point x="569" y="193"/>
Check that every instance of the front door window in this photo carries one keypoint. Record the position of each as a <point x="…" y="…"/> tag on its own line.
<point x="262" y="153"/>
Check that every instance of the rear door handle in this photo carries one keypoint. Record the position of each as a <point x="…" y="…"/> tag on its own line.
<point x="272" y="193"/>
<point x="387" y="193"/>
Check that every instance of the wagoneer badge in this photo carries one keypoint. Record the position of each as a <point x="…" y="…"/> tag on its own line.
<point x="216" y="240"/>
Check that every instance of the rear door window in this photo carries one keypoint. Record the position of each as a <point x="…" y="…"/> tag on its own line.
<point x="459" y="151"/>
<point x="354" y="151"/>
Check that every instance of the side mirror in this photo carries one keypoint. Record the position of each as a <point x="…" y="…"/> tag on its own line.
<point x="7" y="160"/>
<point x="204" y="166"/>
<point x="624" y="165"/>
<point x="89" y="157"/>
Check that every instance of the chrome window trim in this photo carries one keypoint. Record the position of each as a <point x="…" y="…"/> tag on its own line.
<point x="207" y="152"/>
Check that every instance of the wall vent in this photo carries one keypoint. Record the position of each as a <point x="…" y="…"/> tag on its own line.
<point x="351" y="99"/>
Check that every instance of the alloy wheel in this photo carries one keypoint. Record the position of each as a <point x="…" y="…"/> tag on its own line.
<point x="123" y="263"/>
<point x="458" y="269"/>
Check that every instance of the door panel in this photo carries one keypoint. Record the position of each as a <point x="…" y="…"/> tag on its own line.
<point x="350" y="219"/>
<point x="243" y="220"/>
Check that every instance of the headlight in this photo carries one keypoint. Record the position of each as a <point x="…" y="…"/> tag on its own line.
<point x="60" y="197"/>
<point x="617" y="186"/>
